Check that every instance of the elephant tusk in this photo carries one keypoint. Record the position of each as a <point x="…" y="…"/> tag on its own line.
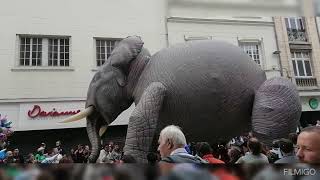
<point x="102" y="130"/>
<point x="79" y="116"/>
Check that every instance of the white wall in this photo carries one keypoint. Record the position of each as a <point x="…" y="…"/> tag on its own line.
<point x="235" y="8"/>
<point x="82" y="20"/>
<point x="230" y="31"/>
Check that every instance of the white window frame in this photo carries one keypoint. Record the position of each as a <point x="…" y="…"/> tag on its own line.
<point x="104" y="50"/>
<point x="303" y="59"/>
<point x="44" y="53"/>
<point x="59" y="51"/>
<point x="251" y="43"/>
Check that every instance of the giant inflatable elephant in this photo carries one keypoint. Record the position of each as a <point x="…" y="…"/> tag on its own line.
<point x="211" y="89"/>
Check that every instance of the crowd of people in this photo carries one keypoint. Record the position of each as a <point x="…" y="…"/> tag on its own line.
<point x="296" y="147"/>
<point x="109" y="154"/>
<point x="300" y="147"/>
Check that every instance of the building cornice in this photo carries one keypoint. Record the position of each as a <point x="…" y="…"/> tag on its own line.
<point x="309" y="93"/>
<point x="46" y="99"/>
<point x="266" y="5"/>
<point x="219" y="21"/>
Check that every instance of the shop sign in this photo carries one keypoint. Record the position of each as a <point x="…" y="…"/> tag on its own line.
<point x="38" y="112"/>
<point x="313" y="103"/>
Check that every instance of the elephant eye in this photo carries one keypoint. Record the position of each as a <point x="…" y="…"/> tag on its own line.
<point x="267" y="109"/>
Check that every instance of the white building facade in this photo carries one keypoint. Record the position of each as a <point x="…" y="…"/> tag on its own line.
<point x="49" y="50"/>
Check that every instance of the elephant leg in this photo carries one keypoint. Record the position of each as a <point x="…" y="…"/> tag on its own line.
<point x="276" y="110"/>
<point x="143" y="122"/>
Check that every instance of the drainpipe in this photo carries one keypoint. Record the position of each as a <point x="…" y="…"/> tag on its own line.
<point x="166" y="8"/>
<point x="277" y="51"/>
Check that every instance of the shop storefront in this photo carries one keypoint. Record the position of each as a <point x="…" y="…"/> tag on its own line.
<point x="37" y="122"/>
<point x="310" y="110"/>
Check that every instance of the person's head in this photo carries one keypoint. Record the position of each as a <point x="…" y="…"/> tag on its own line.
<point x="9" y="154"/>
<point x="41" y="150"/>
<point x="293" y="137"/>
<point x="234" y="153"/>
<point x="308" y="145"/>
<point x="286" y="146"/>
<point x="30" y="157"/>
<point x="110" y="146"/>
<point x="58" y="143"/>
<point x="171" y="138"/>
<point x="80" y="146"/>
<point x="250" y="135"/>
<point x="106" y="147"/>
<point x="43" y="145"/>
<point x="205" y="149"/>
<point x="55" y="151"/>
<point x="116" y="148"/>
<point x="86" y="147"/>
<point x="16" y="152"/>
<point x="275" y="144"/>
<point x="254" y="146"/>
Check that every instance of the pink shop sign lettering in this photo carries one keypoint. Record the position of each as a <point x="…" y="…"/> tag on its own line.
<point x="38" y="112"/>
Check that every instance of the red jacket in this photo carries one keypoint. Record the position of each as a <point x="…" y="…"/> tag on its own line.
<point x="211" y="159"/>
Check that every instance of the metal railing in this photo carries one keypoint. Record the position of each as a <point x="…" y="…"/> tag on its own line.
<point x="297" y="35"/>
<point x="306" y="82"/>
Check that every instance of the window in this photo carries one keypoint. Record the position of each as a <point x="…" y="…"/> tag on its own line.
<point x="301" y="64"/>
<point x="295" y="23"/>
<point x="104" y="48"/>
<point x="253" y="49"/>
<point x="58" y="52"/>
<point x="41" y="51"/>
<point x="30" y="51"/>
<point x="296" y="29"/>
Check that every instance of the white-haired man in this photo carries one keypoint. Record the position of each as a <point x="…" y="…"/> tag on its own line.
<point x="171" y="146"/>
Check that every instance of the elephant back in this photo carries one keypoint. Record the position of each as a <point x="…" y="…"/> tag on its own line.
<point x="210" y="86"/>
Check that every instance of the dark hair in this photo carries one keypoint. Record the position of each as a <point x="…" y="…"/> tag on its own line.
<point x="293" y="137"/>
<point x="255" y="146"/>
<point x="286" y="146"/>
<point x="234" y="154"/>
<point x="205" y="148"/>
<point x="275" y="143"/>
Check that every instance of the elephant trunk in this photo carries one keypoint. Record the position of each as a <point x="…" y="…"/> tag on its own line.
<point x="93" y="134"/>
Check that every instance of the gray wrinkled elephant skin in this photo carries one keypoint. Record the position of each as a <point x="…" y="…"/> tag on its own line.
<point x="211" y="89"/>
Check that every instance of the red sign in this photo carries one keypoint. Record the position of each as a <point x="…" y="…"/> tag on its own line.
<point x="37" y="111"/>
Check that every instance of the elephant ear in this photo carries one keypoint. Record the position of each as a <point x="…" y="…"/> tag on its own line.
<point x="123" y="54"/>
